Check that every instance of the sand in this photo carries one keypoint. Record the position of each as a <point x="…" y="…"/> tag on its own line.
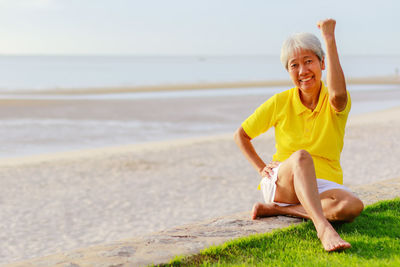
<point x="59" y="202"/>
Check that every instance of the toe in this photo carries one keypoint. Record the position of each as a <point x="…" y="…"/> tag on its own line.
<point x="339" y="247"/>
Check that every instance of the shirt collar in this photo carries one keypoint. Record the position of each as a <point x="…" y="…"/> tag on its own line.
<point x="300" y="108"/>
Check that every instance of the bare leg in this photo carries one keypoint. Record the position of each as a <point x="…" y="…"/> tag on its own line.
<point x="272" y="209"/>
<point x="337" y="205"/>
<point x="297" y="183"/>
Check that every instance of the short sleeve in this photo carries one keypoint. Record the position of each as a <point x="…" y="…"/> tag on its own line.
<point x="261" y="120"/>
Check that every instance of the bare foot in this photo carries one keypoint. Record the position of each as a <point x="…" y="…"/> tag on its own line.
<point x="331" y="241"/>
<point x="262" y="209"/>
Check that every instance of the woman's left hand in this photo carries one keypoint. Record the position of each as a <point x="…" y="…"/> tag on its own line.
<point x="327" y="28"/>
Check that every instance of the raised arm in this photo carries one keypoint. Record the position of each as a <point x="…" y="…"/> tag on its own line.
<point x="335" y="77"/>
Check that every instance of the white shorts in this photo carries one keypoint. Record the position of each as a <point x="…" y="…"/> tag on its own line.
<point x="268" y="187"/>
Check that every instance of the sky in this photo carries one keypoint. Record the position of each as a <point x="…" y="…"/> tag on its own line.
<point x="192" y="27"/>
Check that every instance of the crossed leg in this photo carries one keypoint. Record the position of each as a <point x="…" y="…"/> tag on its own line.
<point x="297" y="185"/>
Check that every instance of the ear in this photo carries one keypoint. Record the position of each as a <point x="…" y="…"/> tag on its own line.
<point x="323" y="63"/>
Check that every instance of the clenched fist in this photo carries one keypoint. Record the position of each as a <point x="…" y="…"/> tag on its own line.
<point x="327" y="28"/>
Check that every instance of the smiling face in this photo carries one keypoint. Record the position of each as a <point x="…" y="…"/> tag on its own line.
<point x="305" y="70"/>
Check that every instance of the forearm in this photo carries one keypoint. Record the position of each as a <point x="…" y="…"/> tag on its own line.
<point x="247" y="148"/>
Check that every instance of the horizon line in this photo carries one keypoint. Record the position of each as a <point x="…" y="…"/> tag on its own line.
<point x="172" y="55"/>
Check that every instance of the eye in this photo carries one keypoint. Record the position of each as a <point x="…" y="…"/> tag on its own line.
<point x="293" y="65"/>
<point x="308" y="61"/>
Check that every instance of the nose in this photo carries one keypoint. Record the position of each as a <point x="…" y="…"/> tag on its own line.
<point x="303" y="69"/>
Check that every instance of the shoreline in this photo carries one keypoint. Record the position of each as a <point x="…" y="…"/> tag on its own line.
<point x="378" y="80"/>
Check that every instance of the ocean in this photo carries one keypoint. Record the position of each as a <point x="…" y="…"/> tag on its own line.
<point x="56" y="72"/>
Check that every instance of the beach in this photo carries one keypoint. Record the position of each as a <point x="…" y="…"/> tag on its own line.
<point x="83" y="194"/>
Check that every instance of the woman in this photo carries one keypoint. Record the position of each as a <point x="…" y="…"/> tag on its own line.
<point x="309" y="122"/>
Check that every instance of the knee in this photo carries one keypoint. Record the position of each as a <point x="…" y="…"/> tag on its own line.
<point x="357" y="206"/>
<point x="348" y="209"/>
<point x="302" y="157"/>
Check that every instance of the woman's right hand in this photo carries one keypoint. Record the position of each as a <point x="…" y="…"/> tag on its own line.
<point x="268" y="169"/>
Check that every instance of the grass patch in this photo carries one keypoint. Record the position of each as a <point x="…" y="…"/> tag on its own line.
<point x="374" y="236"/>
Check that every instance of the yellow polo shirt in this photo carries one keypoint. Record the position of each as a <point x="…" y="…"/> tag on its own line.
<point x="320" y="132"/>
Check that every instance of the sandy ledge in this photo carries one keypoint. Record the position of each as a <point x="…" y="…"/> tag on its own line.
<point x="61" y="202"/>
<point x="161" y="247"/>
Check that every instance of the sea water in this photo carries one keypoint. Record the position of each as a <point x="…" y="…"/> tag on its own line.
<point x="55" y="72"/>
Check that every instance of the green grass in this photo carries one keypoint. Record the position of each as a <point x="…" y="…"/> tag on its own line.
<point x="374" y="236"/>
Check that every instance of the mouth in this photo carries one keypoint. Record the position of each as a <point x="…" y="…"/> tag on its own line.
<point x="304" y="80"/>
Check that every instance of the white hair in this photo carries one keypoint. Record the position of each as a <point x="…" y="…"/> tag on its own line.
<point x="306" y="41"/>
